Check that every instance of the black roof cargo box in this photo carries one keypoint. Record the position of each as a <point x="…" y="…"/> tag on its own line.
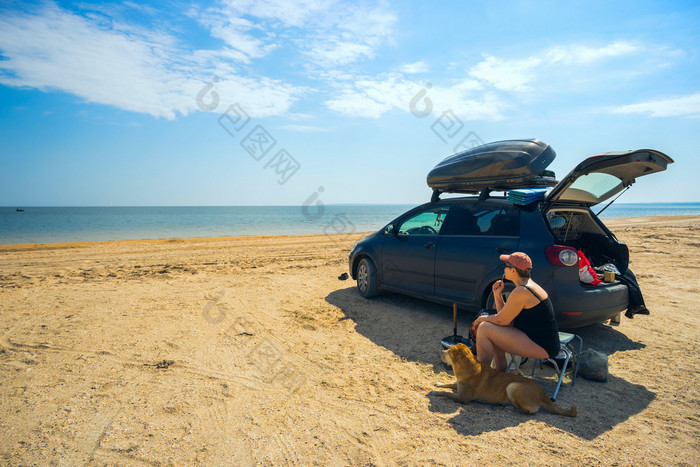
<point x="502" y="165"/>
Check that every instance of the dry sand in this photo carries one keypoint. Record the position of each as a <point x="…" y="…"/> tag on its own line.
<point x="246" y="351"/>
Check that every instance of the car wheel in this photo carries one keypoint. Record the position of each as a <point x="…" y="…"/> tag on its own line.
<point x="367" y="282"/>
<point x="491" y="303"/>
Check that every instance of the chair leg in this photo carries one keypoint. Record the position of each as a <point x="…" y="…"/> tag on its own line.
<point x="578" y="357"/>
<point x="561" y="375"/>
<point x="569" y="352"/>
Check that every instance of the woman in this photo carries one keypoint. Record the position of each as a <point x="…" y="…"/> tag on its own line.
<point x="524" y="325"/>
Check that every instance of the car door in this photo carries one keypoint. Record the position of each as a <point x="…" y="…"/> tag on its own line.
<point x="408" y="254"/>
<point x="473" y="237"/>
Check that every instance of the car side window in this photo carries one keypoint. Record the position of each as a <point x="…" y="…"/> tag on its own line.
<point x="460" y="221"/>
<point x="427" y="222"/>
<point x="481" y="219"/>
<point x="506" y="223"/>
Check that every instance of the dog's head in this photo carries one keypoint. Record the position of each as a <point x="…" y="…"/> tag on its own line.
<point x="462" y="360"/>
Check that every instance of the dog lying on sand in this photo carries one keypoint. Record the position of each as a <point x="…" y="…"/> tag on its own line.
<point x="477" y="382"/>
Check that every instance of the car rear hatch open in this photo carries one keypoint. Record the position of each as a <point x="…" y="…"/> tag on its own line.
<point x="567" y="206"/>
<point x="601" y="177"/>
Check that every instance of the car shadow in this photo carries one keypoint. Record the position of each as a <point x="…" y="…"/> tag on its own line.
<point x="410" y="328"/>
<point x="413" y="328"/>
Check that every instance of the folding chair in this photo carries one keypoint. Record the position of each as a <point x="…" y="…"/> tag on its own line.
<point x="566" y="351"/>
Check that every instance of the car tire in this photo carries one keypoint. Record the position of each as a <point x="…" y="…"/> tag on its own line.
<point x="491" y="303"/>
<point x="367" y="281"/>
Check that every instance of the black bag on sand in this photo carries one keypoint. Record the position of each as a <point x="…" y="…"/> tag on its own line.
<point x="593" y="365"/>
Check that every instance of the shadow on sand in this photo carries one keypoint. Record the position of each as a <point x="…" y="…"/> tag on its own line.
<point x="412" y="329"/>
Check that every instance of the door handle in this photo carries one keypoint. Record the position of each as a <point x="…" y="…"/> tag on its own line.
<point x="429" y="245"/>
<point x="504" y="250"/>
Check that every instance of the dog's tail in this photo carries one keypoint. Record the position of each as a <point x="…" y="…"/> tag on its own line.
<point x="555" y="409"/>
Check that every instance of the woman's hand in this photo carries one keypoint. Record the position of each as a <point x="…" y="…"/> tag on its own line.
<point x="497" y="288"/>
<point x="479" y="320"/>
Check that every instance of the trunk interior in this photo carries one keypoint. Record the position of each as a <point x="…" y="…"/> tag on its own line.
<point x="581" y="229"/>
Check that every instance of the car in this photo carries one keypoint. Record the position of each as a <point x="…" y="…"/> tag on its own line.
<point x="447" y="250"/>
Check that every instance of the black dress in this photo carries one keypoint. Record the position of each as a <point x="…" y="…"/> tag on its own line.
<point x="540" y="325"/>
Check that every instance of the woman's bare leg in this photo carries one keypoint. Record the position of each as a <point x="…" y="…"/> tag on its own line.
<point x="492" y="341"/>
<point x="499" y="359"/>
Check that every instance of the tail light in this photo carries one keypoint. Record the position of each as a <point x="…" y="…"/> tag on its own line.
<point x="561" y="255"/>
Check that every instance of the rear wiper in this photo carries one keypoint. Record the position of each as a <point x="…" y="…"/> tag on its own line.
<point x="614" y="199"/>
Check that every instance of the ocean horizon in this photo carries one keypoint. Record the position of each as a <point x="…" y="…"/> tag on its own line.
<point x="103" y="223"/>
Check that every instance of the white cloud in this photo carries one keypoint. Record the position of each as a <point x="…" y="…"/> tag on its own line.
<point x="357" y="104"/>
<point x="581" y="54"/>
<point x="304" y="128"/>
<point x="506" y="75"/>
<point x="470" y="106"/>
<point x="290" y="13"/>
<point x="329" y="33"/>
<point x="121" y="67"/>
<point x="521" y="75"/>
<point x="348" y="34"/>
<point x="339" y="53"/>
<point x="234" y="32"/>
<point x="496" y="85"/>
<point x="684" y="106"/>
<point x="98" y="57"/>
<point x="372" y="97"/>
<point x="414" y="68"/>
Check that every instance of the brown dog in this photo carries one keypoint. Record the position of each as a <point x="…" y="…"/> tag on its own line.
<point x="477" y="382"/>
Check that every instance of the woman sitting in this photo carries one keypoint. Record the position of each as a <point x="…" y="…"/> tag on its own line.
<point x="525" y="323"/>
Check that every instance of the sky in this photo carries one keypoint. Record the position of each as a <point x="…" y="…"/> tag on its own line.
<point x="281" y="102"/>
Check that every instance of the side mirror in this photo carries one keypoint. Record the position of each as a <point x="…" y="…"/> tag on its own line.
<point x="390" y="229"/>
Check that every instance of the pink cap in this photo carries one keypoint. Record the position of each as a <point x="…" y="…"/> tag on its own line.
<point x="518" y="259"/>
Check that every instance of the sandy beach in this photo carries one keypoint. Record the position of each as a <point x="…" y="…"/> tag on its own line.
<point x="250" y="350"/>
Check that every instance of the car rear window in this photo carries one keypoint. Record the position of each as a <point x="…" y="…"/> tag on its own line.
<point x="593" y="188"/>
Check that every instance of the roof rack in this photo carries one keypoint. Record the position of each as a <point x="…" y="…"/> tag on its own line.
<point x="534" y="187"/>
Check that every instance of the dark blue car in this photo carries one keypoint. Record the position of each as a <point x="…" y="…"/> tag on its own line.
<point x="447" y="251"/>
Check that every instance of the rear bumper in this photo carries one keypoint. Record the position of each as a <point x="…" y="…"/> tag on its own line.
<point x="580" y="305"/>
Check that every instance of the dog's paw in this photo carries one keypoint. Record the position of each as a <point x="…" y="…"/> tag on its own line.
<point x="445" y="385"/>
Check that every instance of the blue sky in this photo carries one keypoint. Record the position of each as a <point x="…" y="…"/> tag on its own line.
<point x="277" y="102"/>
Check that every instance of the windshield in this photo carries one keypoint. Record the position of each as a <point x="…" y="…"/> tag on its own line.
<point x="593" y="188"/>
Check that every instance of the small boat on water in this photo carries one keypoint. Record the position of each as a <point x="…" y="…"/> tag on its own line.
<point x="19" y="210"/>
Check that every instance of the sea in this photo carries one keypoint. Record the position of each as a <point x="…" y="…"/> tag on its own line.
<point x="83" y="224"/>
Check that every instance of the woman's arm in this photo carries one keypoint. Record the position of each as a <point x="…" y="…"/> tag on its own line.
<point x="497" y="290"/>
<point x="498" y="300"/>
